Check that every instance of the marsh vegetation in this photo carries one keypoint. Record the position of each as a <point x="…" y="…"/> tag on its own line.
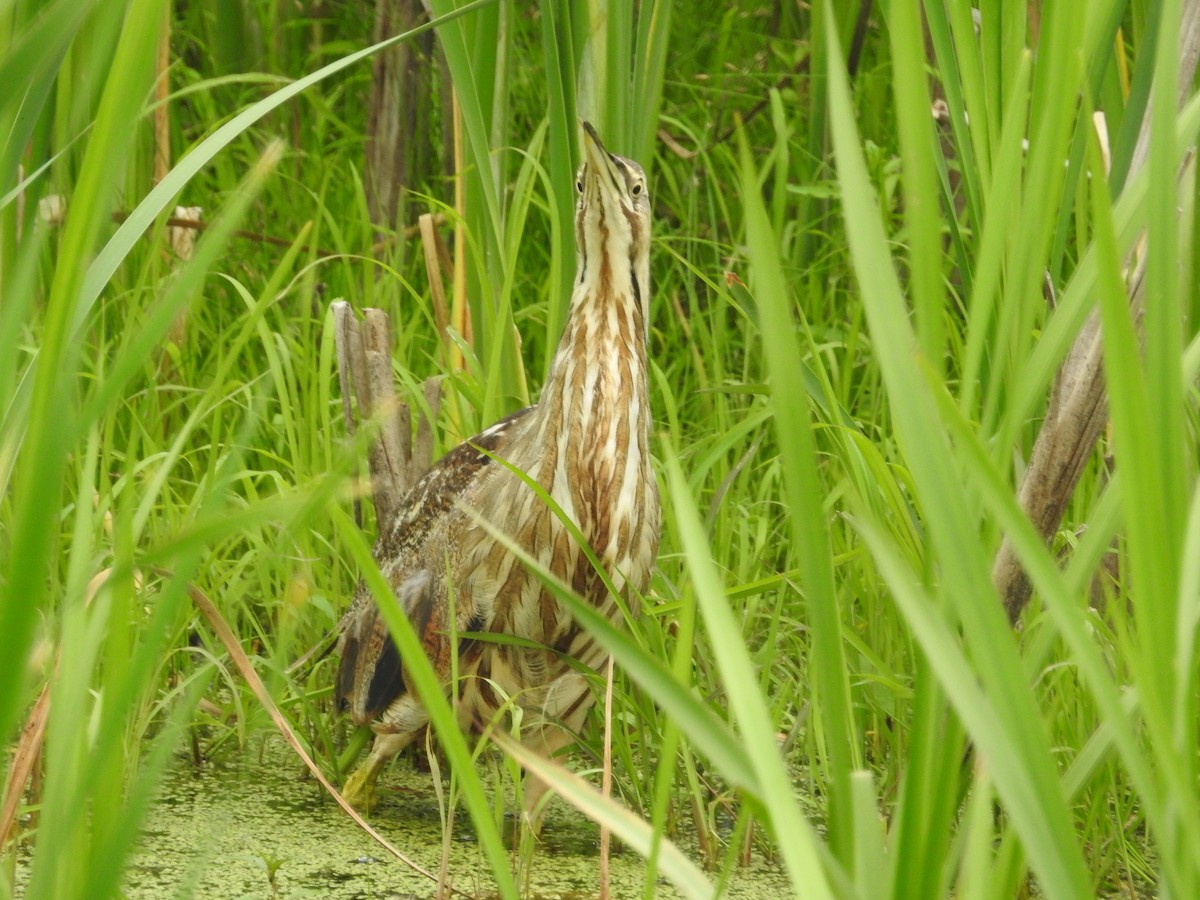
<point x="880" y="230"/>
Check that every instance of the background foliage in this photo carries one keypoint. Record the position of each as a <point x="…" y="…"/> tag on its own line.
<point x="859" y="312"/>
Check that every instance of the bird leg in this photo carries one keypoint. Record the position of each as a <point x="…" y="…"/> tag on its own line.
<point x="359" y="790"/>
<point x="545" y="741"/>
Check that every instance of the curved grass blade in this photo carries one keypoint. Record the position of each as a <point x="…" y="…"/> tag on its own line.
<point x="632" y="830"/>
<point x="1015" y="738"/>
<point x="118" y="247"/>
<point x="705" y="729"/>
<point x="798" y="843"/>
<point x="433" y="698"/>
<point x="805" y="495"/>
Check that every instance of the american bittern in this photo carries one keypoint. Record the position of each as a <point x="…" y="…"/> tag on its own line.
<point x="586" y="443"/>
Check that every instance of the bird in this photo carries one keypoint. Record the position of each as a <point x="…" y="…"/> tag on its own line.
<point x="586" y="443"/>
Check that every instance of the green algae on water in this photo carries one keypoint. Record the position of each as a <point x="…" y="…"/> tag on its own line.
<point x="259" y="829"/>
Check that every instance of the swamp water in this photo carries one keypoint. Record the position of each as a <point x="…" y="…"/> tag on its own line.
<point x="256" y="829"/>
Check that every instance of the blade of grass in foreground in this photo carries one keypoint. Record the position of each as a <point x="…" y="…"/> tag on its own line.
<point x="918" y="172"/>
<point x="1014" y="738"/>
<point x="924" y="819"/>
<point x="1147" y="438"/>
<point x="806" y="502"/>
<point x="1159" y="458"/>
<point x="433" y="698"/>
<point x="798" y="843"/>
<point x="51" y="426"/>
<point x="631" y="829"/>
<point x="707" y="732"/>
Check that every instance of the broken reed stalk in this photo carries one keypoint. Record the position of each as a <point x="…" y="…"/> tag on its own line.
<point x="396" y="457"/>
<point x="1077" y="410"/>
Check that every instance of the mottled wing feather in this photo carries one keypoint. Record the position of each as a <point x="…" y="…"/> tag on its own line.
<point x="386" y="682"/>
<point x="441" y="487"/>
<point x="371" y="672"/>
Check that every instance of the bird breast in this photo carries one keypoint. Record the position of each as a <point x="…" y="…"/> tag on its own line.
<point x="586" y="444"/>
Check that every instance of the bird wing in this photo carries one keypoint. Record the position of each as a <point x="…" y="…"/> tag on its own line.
<point x="439" y="489"/>
<point x="371" y="672"/>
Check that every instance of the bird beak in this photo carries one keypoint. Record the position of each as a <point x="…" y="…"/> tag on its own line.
<point x="598" y="159"/>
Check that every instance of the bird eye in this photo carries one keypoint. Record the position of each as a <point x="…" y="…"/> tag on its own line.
<point x="579" y="185"/>
<point x="636" y="189"/>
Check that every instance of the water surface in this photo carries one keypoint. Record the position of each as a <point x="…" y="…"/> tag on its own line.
<point x="220" y="831"/>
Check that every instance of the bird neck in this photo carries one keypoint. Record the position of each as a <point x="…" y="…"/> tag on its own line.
<point x="590" y="436"/>
<point x="588" y="440"/>
<point x="599" y="370"/>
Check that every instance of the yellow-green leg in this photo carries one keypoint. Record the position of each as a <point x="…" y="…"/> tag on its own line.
<point x="546" y="742"/>
<point x="359" y="790"/>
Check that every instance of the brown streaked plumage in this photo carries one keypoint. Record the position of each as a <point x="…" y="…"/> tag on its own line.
<point x="586" y="442"/>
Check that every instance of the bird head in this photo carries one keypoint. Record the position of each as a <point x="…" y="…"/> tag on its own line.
<point x="612" y="218"/>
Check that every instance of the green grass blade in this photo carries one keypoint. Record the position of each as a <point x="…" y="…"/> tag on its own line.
<point x="804" y="491"/>
<point x="1029" y="786"/>
<point x="42" y="462"/>
<point x="799" y="845"/>
<point x="632" y="831"/>
<point x="930" y="794"/>
<point x="560" y="55"/>
<point x="1158" y="456"/>
<point x="1150" y="446"/>
<point x="441" y="716"/>
<point x="919" y="175"/>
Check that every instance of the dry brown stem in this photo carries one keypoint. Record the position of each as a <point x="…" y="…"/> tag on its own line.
<point x="1077" y="410"/>
<point x="396" y="457"/>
